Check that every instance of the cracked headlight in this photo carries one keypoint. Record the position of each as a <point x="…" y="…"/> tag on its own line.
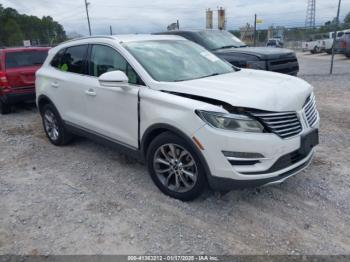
<point x="234" y="122"/>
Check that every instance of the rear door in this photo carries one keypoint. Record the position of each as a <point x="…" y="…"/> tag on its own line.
<point x="21" y="66"/>
<point x="68" y="78"/>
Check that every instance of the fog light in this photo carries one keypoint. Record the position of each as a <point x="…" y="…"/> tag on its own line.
<point x="243" y="158"/>
<point x="243" y="155"/>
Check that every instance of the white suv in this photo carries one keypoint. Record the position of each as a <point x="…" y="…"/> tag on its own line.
<point x="193" y="118"/>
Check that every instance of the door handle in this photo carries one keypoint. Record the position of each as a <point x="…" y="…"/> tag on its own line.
<point x="90" y="92"/>
<point x="54" y="84"/>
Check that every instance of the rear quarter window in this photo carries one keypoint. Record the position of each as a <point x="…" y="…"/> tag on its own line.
<point x="25" y="58"/>
<point x="73" y="59"/>
<point x="57" y="59"/>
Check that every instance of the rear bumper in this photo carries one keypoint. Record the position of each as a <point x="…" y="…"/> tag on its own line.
<point x="14" y="98"/>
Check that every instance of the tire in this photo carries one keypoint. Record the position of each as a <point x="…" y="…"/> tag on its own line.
<point x="329" y="51"/>
<point x="54" y="127"/>
<point x="347" y="55"/>
<point x="317" y="50"/>
<point x="172" y="174"/>
<point x="4" y="108"/>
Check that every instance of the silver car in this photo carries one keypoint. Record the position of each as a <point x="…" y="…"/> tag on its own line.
<point x="345" y="44"/>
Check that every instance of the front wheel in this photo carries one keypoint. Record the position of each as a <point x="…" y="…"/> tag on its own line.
<point x="54" y="127"/>
<point x="175" y="167"/>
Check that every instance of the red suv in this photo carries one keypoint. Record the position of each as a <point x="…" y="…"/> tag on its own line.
<point x="17" y="74"/>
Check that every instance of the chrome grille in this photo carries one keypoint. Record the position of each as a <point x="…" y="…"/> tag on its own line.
<point x="285" y="124"/>
<point x="310" y="110"/>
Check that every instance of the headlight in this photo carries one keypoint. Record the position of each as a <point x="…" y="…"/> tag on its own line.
<point x="234" y="122"/>
<point x="260" y="65"/>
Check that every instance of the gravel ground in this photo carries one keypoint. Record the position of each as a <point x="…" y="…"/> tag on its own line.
<point x="88" y="199"/>
<point x="319" y="64"/>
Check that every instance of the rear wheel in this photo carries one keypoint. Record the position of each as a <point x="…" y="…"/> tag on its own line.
<point x="347" y="54"/>
<point x="4" y="108"/>
<point x="54" y="127"/>
<point x="175" y="167"/>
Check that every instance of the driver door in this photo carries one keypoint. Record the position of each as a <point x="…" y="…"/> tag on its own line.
<point x="112" y="111"/>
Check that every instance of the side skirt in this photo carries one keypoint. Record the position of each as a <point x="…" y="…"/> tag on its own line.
<point x="104" y="140"/>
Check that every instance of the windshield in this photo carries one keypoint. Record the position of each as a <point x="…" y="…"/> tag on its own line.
<point x="25" y="58"/>
<point x="214" y="40"/>
<point x="176" y="60"/>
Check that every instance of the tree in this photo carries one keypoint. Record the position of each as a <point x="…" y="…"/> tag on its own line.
<point x="14" y="33"/>
<point x="347" y="19"/>
<point x="44" y="31"/>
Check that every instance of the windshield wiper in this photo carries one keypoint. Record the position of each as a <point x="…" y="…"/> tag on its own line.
<point x="181" y="80"/>
<point x="214" y="74"/>
<point x="225" y="47"/>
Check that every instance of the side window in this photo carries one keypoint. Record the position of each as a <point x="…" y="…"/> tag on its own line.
<point x="56" y="61"/>
<point x="73" y="59"/>
<point x="105" y="59"/>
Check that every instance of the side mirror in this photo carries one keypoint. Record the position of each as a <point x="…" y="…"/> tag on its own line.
<point x="113" y="79"/>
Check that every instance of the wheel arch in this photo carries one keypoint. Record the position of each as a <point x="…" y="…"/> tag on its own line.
<point x="155" y="130"/>
<point x="44" y="100"/>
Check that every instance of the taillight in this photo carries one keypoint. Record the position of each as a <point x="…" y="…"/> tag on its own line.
<point x="343" y="44"/>
<point x="4" y="84"/>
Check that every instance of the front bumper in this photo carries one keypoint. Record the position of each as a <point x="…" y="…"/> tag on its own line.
<point x="289" y="66"/>
<point x="280" y="158"/>
<point x="225" y="184"/>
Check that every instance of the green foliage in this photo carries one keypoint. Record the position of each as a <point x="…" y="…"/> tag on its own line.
<point x="13" y="32"/>
<point x="15" y="27"/>
<point x="347" y="19"/>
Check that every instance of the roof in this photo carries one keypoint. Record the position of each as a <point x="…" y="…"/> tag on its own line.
<point x="130" y="38"/>
<point x="188" y="31"/>
<point x="146" y="37"/>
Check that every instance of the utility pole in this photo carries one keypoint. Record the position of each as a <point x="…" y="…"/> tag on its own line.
<point x="255" y="18"/>
<point x="87" y="15"/>
<point x="335" y="37"/>
<point x="178" y="24"/>
<point x="110" y="30"/>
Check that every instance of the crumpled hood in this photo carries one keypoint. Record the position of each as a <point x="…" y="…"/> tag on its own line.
<point x="248" y="88"/>
<point x="265" y="53"/>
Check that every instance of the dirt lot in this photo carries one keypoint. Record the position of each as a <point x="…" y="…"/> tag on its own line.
<point x="89" y="199"/>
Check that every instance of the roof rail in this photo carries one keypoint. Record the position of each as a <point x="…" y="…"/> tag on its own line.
<point x="88" y="37"/>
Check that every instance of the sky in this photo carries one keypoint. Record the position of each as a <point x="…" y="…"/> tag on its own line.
<point x="145" y="16"/>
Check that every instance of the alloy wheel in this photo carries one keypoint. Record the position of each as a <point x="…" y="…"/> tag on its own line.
<point x="51" y="125"/>
<point x="175" y="167"/>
